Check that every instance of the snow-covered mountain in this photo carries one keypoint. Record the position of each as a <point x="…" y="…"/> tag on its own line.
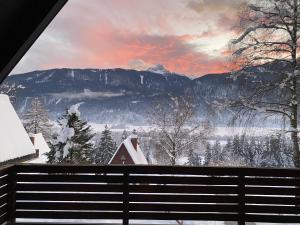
<point x="119" y="95"/>
<point x="111" y="95"/>
<point x="158" y="68"/>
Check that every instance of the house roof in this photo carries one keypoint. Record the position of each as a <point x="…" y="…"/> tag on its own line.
<point x="14" y="140"/>
<point x="40" y="144"/>
<point x="21" y="23"/>
<point x="137" y="156"/>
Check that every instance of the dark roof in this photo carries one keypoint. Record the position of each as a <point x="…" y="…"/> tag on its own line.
<point x="21" y="23"/>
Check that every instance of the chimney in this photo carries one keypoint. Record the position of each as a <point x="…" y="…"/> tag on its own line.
<point x="134" y="141"/>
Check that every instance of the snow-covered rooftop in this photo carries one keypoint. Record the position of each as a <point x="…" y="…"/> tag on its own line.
<point x="136" y="155"/>
<point x="14" y="140"/>
<point x="40" y="144"/>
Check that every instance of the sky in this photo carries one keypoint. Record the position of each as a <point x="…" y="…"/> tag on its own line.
<point x="188" y="37"/>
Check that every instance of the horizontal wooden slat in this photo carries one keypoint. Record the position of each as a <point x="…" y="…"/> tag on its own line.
<point x="6" y="170"/>
<point x="183" y="207"/>
<point x="70" y="223"/>
<point x="4" y="180"/>
<point x="68" y="215"/>
<point x="69" y="206"/>
<point x="184" y="180"/>
<point x="69" y="187"/>
<point x="272" y="200"/>
<point x="183" y="198"/>
<point x="272" y="191"/>
<point x="183" y="189"/>
<point x="69" y="178"/>
<point x="3" y="199"/>
<point x="141" y="169"/>
<point x="272" y="218"/>
<point x="3" y="218"/>
<point x="4" y="190"/>
<point x="68" y="197"/>
<point x="272" y="209"/>
<point x="272" y="181"/>
<point x="3" y="209"/>
<point x="183" y="216"/>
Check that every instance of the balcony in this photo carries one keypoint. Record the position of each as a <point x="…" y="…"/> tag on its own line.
<point x="37" y="194"/>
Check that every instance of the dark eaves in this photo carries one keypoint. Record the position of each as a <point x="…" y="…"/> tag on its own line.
<point x="21" y="23"/>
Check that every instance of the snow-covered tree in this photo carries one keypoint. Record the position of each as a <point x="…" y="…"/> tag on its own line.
<point x="194" y="158"/>
<point x="36" y="119"/>
<point x="207" y="154"/>
<point x="177" y="128"/>
<point x="72" y="145"/>
<point x="105" y="148"/>
<point x="270" y="41"/>
<point x="269" y="151"/>
<point x="10" y="89"/>
<point x="216" y="153"/>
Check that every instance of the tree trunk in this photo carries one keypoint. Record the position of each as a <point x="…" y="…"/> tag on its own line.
<point x="294" y="136"/>
<point x="173" y="158"/>
<point x="294" y="97"/>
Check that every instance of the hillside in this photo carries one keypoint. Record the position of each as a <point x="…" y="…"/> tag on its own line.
<point x="124" y="96"/>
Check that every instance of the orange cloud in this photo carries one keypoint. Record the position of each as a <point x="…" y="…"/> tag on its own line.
<point x="116" y="34"/>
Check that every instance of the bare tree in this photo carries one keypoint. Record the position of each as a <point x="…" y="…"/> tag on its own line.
<point x="36" y="119"/>
<point x="177" y="128"/>
<point x="269" y="41"/>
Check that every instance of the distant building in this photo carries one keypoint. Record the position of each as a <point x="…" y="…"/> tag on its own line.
<point x="15" y="145"/>
<point x="129" y="152"/>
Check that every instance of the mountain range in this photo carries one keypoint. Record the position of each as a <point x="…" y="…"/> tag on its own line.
<point x="123" y="96"/>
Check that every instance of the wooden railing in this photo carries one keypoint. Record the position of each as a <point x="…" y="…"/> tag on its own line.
<point x="89" y="193"/>
<point x="6" y="194"/>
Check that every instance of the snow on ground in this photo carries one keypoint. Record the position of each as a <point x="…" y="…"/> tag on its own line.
<point x="42" y="146"/>
<point x="14" y="139"/>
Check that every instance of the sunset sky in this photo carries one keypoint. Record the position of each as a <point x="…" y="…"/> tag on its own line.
<point x="186" y="36"/>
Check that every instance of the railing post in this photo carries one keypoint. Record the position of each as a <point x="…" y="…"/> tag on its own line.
<point x="12" y="196"/>
<point x="126" y="198"/>
<point x="241" y="194"/>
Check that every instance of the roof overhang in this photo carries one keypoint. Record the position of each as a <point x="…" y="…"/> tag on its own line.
<point x="21" y="23"/>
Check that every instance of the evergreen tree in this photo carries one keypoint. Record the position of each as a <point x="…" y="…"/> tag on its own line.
<point x="208" y="154"/>
<point x="217" y="155"/>
<point x="236" y="147"/>
<point x="193" y="158"/>
<point x="227" y="151"/>
<point x="105" y="149"/>
<point x="72" y="145"/>
<point x="36" y="119"/>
